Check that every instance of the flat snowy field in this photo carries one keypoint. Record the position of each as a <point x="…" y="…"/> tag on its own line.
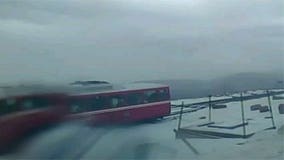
<point x="157" y="140"/>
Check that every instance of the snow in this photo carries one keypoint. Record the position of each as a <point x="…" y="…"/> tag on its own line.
<point x="232" y="116"/>
<point x="157" y="140"/>
<point x="197" y="100"/>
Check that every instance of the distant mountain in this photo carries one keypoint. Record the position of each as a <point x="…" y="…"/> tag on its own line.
<point x="219" y="86"/>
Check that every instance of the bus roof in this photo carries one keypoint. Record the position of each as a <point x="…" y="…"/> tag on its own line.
<point x="126" y="87"/>
<point x="25" y="90"/>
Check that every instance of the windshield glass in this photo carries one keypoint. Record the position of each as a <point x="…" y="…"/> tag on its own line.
<point x="142" y="79"/>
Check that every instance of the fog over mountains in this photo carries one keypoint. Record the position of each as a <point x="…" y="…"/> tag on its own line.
<point x="193" y="88"/>
<point x="188" y="88"/>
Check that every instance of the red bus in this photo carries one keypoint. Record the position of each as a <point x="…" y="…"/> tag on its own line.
<point x="23" y="109"/>
<point x="136" y="102"/>
<point x="20" y="113"/>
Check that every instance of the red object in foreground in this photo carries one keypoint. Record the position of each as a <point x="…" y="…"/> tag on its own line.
<point x="24" y="110"/>
<point x="21" y="114"/>
<point x="121" y="106"/>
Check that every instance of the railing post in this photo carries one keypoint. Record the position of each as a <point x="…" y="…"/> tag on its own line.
<point x="210" y="108"/>
<point x="180" y="114"/>
<point x="243" y="116"/>
<point x="270" y="109"/>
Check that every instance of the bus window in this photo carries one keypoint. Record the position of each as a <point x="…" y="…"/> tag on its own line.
<point x="117" y="101"/>
<point x="11" y="101"/>
<point x="35" y="102"/>
<point x="114" y="102"/>
<point x="8" y="106"/>
<point x="27" y="104"/>
<point x="89" y="104"/>
<point x="135" y="98"/>
<point x="163" y="94"/>
<point x="151" y="96"/>
<point x="78" y="105"/>
<point x="149" y="93"/>
<point x="81" y="105"/>
<point x="122" y="101"/>
<point x="156" y="95"/>
<point x="100" y="102"/>
<point x="75" y="108"/>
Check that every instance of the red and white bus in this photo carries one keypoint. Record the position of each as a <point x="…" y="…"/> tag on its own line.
<point x="135" y="102"/>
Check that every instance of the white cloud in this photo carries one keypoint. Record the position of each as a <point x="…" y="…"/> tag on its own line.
<point x="121" y="40"/>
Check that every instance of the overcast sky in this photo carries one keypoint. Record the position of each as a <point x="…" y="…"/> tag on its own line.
<point x="128" y="40"/>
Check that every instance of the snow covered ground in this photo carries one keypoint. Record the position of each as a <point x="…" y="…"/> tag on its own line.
<point x="157" y="140"/>
<point x="196" y="100"/>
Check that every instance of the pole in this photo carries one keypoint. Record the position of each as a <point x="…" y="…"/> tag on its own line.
<point x="180" y="114"/>
<point x="270" y="109"/>
<point x="210" y="108"/>
<point x="243" y="116"/>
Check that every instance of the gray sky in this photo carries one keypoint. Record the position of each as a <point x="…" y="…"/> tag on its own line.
<point x="127" y="40"/>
